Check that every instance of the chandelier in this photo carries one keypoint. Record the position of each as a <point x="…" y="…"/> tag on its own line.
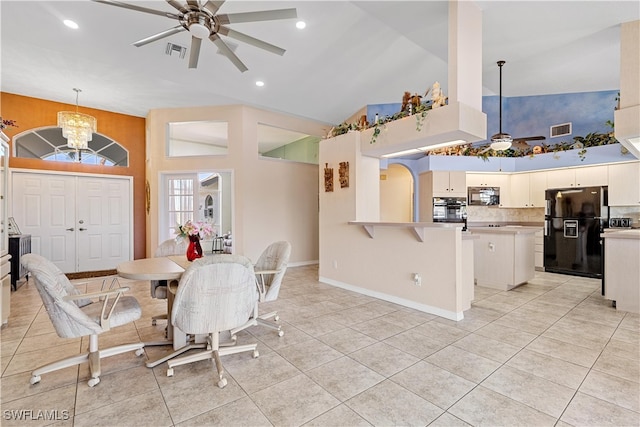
<point x="78" y="128"/>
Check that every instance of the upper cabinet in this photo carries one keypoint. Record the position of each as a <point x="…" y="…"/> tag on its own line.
<point x="448" y="184"/>
<point x="589" y="176"/>
<point x="624" y="184"/>
<point x="526" y="190"/>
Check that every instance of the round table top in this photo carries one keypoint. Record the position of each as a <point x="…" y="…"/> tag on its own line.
<point x="162" y="268"/>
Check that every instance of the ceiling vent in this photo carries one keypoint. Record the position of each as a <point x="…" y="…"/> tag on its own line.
<point x="175" y="49"/>
<point x="560" y="130"/>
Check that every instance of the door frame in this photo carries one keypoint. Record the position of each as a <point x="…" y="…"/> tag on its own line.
<point x="129" y="180"/>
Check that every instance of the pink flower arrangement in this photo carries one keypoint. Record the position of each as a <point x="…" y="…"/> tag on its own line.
<point x="190" y="228"/>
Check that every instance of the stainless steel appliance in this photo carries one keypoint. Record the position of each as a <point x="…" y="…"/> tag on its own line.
<point x="449" y="209"/>
<point x="483" y="196"/>
<point x="574" y="218"/>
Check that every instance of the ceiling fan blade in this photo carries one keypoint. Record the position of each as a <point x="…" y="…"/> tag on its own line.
<point x="520" y="144"/>
<point x="224" y="49"/>
<point x="165" y="33"/>
<point x="531" y="138"/>
<point x="177" y="5"/>
<point x="193" y="3"/>
<point x="251" y="40"/>
<point x="195" y="52"/>
<point x="138" y="8"/>
<point x="265" y="15"/>
<point x="213" y="6"/>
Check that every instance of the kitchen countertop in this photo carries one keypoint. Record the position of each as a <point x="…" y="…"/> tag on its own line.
<point x="622" y="233"/>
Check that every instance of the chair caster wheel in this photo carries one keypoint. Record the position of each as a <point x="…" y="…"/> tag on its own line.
<point x="139" y="352"/>
<point x="280" y="333"/>
<point x="276" y="318"/>
<point x="93" y="382"/>
<point x="35" y="379"/>
<point x="170" y="372"/>
<point x="222" y="383"/>
<point x="154" y="322"/>
<point x="255" y="354"/>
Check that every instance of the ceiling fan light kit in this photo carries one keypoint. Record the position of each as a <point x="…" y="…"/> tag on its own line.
<point x="201" y="19"/>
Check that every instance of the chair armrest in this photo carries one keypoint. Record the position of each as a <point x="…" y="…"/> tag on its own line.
<point x="262" y="290"/>
<point x="104" y="297"/>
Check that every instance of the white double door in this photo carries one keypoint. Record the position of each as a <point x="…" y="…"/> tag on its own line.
<point x="81" y="223"/>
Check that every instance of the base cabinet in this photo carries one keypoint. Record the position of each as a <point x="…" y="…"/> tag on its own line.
<point x="503" y="260"/>
<point x="5" y="288"/>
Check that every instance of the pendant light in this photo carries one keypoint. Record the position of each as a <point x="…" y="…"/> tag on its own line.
<point x="501" y="141"/>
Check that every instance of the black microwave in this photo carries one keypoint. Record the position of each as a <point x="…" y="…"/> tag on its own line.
<point x="483" y="196"/>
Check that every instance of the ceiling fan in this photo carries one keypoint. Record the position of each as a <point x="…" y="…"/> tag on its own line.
<point x="201" y="19"/>
<point x="503" y="141"/>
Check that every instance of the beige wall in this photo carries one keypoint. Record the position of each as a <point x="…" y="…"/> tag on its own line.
<point x="272" y="199"/>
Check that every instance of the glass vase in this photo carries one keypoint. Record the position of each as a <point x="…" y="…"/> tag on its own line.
<point x="194" y="250"/>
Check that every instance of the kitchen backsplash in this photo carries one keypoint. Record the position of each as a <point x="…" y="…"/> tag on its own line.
<point x="632" y="212"/>
<point x="495" y="214"/>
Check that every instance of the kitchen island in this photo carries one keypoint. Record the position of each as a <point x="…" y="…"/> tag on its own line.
<point x="621" y="269"/>
<point x="504" y="257"/>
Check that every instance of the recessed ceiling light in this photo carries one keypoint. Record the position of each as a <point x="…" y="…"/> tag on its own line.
<point x="300" y="25"/>
<point x="259" y="83"/>
<point x="69" y="23"/>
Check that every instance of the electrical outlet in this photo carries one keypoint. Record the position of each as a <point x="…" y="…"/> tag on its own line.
<point x="492" y="247"/>
<point x="417" y="279"/>
<point x="335" y="264"/>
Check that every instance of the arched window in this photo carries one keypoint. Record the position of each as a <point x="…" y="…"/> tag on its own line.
<point x="47" y="143"/>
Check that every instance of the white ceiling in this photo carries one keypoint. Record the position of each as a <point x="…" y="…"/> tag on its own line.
<point x="351" y="54"/>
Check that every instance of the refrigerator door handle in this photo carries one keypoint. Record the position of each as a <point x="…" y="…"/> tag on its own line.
<point x="547" y="207"/>
<point x="547" y="224"/>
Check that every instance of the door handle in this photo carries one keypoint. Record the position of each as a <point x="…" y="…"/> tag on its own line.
<point x="70" y="229"/>
<point x="82" y="229"/>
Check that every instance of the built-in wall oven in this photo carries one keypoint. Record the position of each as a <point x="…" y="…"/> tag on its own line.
<point x="449" y="209"/>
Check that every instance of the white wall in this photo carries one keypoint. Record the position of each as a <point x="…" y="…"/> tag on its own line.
<point x="272" y="199"/>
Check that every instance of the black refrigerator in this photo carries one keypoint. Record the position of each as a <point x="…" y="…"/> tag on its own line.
<point x="574" y="219"/>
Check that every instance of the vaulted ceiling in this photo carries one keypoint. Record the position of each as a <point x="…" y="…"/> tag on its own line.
<point x="351" y="53"/>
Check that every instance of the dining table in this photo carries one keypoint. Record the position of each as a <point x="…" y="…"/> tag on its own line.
<point x="170" y="270"/>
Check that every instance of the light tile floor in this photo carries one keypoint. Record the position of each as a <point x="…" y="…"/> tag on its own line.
<point x="551" y="352"/>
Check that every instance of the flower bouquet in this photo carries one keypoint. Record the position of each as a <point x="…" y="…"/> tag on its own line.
<point x="194" y="231"/>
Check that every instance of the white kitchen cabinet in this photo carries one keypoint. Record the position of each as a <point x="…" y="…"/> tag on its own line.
<point x="587" y="176"/>
<point x="5" y="265"/>
<point x="624" y="184"/>
<point x="526" y="190"/>
<point x="503" y="257"/>
<point x="449" y="184"/>
<point x="539" y="250"/>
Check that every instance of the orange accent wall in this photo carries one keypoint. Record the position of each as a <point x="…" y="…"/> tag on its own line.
<point x="128" y="131"/>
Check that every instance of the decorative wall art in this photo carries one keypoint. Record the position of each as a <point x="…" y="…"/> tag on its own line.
<point x="328" y="178"/>
<point x="343" y="174"/>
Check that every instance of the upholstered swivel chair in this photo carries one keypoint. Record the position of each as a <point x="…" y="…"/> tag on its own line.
<point x="215" y="294"/>
<point x="159" y="287"/>
<point x="270" y="270"/>
<point x="75" y="315"/>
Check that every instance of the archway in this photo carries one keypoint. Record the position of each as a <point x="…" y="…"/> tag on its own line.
<point x="396" y="194"/>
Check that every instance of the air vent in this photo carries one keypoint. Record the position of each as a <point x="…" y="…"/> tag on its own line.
<point x="176" y="49"/>
<point x="560" y="130"/>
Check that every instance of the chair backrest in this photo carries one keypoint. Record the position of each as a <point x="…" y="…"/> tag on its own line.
<point x="275" y="257"/>
<point x="216" y="293"/>
<point x="67" y="318"/>
<point x="171" y="247"/>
